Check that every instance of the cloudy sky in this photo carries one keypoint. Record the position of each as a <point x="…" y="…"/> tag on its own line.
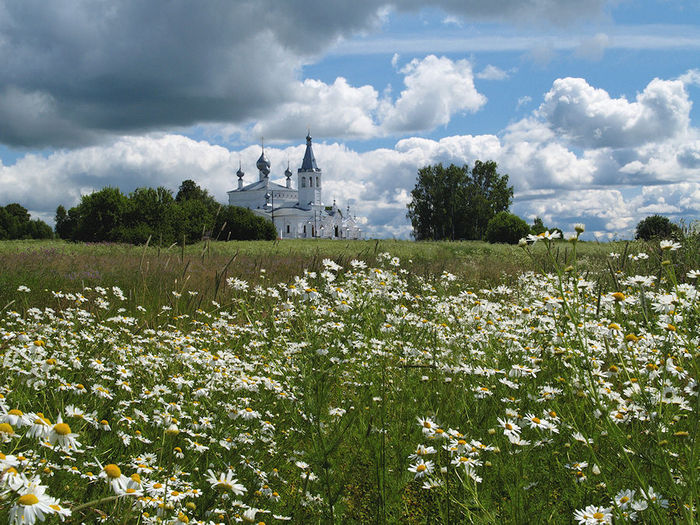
<point x="586" y="104"/>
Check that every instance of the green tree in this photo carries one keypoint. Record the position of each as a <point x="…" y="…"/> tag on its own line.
<point x="507" y="228"/>
<point x="16" y="223"/>
<point x="657" y="227"/>
<point x="100" y="215"/>
<point x="456" y="203"/>
<point x="150" y="213"/>
<point x="241" y="224"/>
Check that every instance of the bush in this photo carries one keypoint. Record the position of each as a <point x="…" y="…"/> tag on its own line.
<point x="506" y="228"/>
<point x="657" y="227"/>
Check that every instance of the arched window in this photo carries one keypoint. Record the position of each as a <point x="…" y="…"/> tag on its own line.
<point x="317" y="184"/>
<point x="311" y="182"/>
<point x="303" y="184"/>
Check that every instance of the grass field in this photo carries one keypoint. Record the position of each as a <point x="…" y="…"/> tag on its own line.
<point x="361" y="382"/>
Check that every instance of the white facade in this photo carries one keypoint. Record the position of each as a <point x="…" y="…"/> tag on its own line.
<point x="296" y="213"/>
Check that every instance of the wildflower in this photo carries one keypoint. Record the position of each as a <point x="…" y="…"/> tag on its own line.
<point x="670" y="245"/>
<point x="33" y="504"/>
<point x="422" y="468"/>
<point x="225" y="482"/>
<point x="510" y="427"/>
<point x="624" y="498"/>
<point x="113" y="474"/>
<point x="62" y="436"/>
<point x="593" y="514"/>
<point x="580" y="228"/>
<point x="16" y="418"/>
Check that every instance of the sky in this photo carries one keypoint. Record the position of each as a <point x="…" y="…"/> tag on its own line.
<point x="587" y="105"/>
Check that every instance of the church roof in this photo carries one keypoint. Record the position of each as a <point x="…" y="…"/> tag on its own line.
<point x="261" y="185"/>
<point x="309" y="162"/>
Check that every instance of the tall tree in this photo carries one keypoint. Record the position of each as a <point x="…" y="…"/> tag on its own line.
<point x="456" y="203"/>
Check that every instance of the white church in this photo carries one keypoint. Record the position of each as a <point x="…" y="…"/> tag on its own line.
<point x="296" y="213"/>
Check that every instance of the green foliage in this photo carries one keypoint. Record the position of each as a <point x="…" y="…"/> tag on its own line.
<point x="657" y="227"/>
<point x="456" y="203"/>
<point x="241" y="224"/>
<point x="16" y="223"/>
<point x="100" y="215"/>
<point x="506" y="227"/>
<point x="108" y="215"/>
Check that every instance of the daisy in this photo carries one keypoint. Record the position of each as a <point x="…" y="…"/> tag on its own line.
<point x="113" y="474"/>
<point x="32" y="505"/>
<point x="593" y="515"/>
<point x="62" y="436"/>
<point x="421" y="468"/>
<point x="225" y="482"/>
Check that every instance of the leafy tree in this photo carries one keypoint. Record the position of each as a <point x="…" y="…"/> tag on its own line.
<point x="507" y="228"/>
<point x="538" y="226"/>
<point x="657" y="227"/>
<point x="150" y="213"/>
<point x="456" y="203"/>
<point x="241" y="224"/>
<point x="108" y="215"/>
<point x="16" y="223"/>
<point x="190" y="190"/>
<point x="100" y="215"/>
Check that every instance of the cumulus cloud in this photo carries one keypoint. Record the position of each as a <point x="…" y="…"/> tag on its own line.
<point x="90" y="69"/>
<point x="560" y="170"/>
<point x="436" y="88"/>
<point x="589" y="117"/>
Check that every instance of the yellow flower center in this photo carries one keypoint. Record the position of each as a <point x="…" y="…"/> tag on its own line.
<point x="624" y="499"/>
<point x="113" y="471"/>
<point x="421" y="468"/>
<point x="6" y="428"/>
<point x="28" y="499"/>
<point x="536" y="420"/>
<point x="15" y="412"/>
<point x="598" y="516"/>
<point x="62" y="429"/>
<point x="136" y="478"/>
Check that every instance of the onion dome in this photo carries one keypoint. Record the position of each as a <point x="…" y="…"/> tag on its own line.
<point x="263" y="164"/>
<point x="239" y="173"/>
<point x="288" y="172"/>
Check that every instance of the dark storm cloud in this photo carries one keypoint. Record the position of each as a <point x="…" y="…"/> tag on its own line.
<point x="74" y="70"/>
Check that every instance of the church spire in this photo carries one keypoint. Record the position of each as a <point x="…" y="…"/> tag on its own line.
<point x="309" y="162"/>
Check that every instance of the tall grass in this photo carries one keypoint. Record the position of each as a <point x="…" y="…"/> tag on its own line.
<point x="353" y="382"/>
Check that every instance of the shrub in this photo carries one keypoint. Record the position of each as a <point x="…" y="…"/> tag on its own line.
<point x="507" y="228"/>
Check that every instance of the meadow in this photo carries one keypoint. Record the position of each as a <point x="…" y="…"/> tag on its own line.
<point x="360" y="382"/>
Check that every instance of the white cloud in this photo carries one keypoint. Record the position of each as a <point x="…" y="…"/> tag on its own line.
<point x="436" y="89"/>
<point x="334" y="110"/>
<point x="492" y="72"/>
<point x="589" y="117"/>
<point x="557" y="174"/>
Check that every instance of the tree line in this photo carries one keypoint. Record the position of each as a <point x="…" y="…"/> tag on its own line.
<point x="16" y="223"/>
<point x="154" y="213"/>
<point x="456" y="203"/>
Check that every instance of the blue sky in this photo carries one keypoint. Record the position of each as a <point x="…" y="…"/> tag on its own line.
<point x="587" y="105"/>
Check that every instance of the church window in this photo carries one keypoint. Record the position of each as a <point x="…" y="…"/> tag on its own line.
<point x="303" y="184"/>
<point x="287" y="228"/>
<point x="304" y="229"/>
<point x="317" y="184"/>
<point x="311" y="182"/>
